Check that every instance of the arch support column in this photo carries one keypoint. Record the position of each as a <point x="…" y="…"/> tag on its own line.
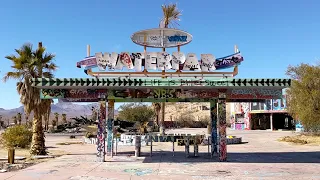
<point x="110" y="126"/>
<point x="222" y="126"/>
<point x="101" y="134"/>
<point x="213" y="124"/>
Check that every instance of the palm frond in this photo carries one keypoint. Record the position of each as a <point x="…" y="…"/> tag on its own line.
<point x="170" y="14"/>
<point x="48" y="57"/>
<point x="12" y="75"/>
<point x="47" y="75"/>
<point x="51" y="67"/>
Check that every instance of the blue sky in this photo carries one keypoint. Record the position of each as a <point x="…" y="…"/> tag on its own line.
<point x="271" y="34"/>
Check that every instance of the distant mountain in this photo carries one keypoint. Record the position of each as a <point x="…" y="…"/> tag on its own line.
<point x="71" y="109"/>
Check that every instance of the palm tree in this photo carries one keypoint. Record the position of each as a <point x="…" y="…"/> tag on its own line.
<point x="19" y="118"/>
<point x="14" y="118"/>
<point x="64" y="118"/>
<point x="46" y="115"/>
<point x="157" y="109"/>
<point x="56" y="118"/>
<point x="28" y="64"/>
<point x="171" y="15"/>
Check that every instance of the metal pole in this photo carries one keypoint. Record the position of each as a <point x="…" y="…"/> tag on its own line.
<point x="150" y="146"/>
<point x="173" y="147"/>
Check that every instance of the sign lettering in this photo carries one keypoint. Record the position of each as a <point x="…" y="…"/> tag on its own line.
<point x="160" y="61"/>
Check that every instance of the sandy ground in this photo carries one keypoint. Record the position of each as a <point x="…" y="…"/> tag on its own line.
<point x="261" y="157"/>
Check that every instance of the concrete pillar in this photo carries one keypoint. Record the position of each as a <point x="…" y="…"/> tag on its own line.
<point x="186" y="146"/>
<point x="213" y="124"/>
<point x="271" y="121"/>
<point x="222" y="126"/>
<point x="110" y="122"/>
<point x="101" y="134"/>
<point x="137" y="146"/>
<point x="195" y="146"/>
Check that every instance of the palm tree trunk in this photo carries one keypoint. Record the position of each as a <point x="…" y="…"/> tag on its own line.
<point x="38" y="141"/>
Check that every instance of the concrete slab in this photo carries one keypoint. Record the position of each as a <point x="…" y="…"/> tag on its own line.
<point x="42" y="157"/>
<point x="262" y="157"/>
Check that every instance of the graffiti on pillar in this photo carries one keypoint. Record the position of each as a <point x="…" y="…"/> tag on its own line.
<point x="222" y="130"/>
<point x="245" y="109"/>
<point x="101" y="130"/>
<point x="213" y="116"/>
<point x="110" y="125"/>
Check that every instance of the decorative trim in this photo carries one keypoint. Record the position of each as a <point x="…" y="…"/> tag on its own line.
<point x="165" y="83"/>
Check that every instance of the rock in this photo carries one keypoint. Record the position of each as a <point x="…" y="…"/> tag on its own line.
<point x="3" y="171"/>
<point x="42" y="157"/>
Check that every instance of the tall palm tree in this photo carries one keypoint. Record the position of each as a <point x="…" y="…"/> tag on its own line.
<point x="28" y="64"/>
<point x="64" y="118"/>
<point x="46" y="115"/>
<point x="19" y="118"/>
<point x="14" y="118"/>
<point x="171" y="15"/>
<point x="157" y="109"/>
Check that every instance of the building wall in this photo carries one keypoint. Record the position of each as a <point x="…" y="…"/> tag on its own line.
<point x="243" y="110"/>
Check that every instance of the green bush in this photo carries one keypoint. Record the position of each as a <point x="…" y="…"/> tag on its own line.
<point x="16" y="136"/>
<point x="90" y="135"/>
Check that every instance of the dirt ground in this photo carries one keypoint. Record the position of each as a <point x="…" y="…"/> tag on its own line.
<point x="261" y="156"/>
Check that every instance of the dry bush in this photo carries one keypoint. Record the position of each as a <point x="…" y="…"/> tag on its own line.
<point x="16" y="136"/>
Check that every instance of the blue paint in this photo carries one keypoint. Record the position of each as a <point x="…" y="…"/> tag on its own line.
<point x="177" y="38"/>
<point x="138" y="171"/>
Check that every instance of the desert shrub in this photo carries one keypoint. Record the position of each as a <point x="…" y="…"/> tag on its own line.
<point x="204" y="121"/>
<point x="16" y="136"/>
<point x="89" y="135"/>
<point x="186" y="120"/>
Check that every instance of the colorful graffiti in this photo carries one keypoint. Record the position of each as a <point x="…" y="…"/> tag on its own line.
<point x="157" y="95"/>
<point x="279" y="104"/>
<point x="213" y="116"/>
<point x="255" y="94"/>
<point x="101" y="131"/>
<point x="110" y="127"/>
<point x="159" y="61"/>
<point x="71" y="93"/>
<point x="222" y="129"/>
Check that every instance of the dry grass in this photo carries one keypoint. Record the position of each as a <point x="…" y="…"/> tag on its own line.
<point x="302" y="139"/>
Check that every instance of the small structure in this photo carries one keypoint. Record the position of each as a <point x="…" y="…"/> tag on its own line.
<point x="160" y="77"/>
<point x="269" y="114"/>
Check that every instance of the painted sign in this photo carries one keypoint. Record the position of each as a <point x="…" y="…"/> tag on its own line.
<point x="228" y="61"/>
<point x="110" y="83"/>
<point x="161" y="38"/>
<point x="156" y="95"/>
<point x="159" y="61"/>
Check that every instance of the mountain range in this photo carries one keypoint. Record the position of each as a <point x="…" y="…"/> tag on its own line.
<point x="71" y="109"/>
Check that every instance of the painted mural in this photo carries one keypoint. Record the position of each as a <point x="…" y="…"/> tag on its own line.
<point x="213" y="116"/>
<point x="158" y="95"/>
<point x="222" y="130"/>
<point x="101" y="131"/>
<point x="275" y="104"/>
<point x="110" y="125"/>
